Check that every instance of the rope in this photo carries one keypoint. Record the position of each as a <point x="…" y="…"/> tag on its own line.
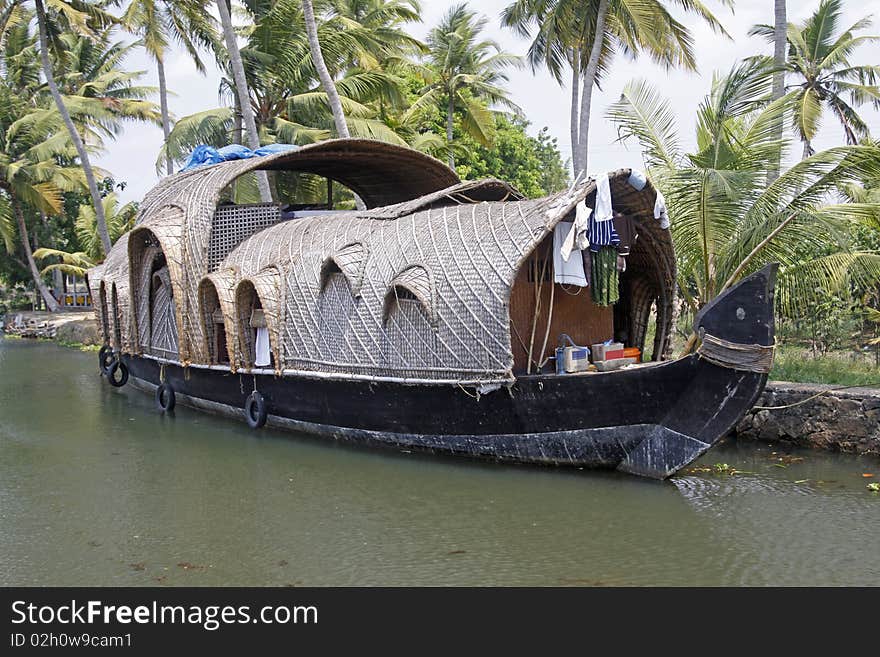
<point x="803" y="401"/>
<point x="735" y="355"/>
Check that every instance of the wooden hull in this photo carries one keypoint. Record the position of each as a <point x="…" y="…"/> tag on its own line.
<point x="650" y="421"/>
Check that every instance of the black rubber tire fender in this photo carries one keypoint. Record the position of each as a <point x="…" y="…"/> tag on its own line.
<point x="165" y="397"/>
<point x="105" y="359"/>
<point x="118" y="367"/>
<point x="255" y="410"/>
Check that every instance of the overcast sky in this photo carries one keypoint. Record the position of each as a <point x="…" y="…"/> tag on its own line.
<point x="131" y="158"/>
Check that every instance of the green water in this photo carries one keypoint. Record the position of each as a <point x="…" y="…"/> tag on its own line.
<point x="96" y="488"/>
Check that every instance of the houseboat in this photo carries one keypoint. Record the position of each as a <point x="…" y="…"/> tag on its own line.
<point x="445" y="316"/>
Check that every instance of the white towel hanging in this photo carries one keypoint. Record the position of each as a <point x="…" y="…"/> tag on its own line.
<point x="263" y="358"/>
<point x="577" y="236"/>
<point x="572" y="271"/>
<point x="603" y="210"/>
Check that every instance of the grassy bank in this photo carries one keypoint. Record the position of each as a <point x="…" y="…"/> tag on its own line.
<point x="840" y="368"/>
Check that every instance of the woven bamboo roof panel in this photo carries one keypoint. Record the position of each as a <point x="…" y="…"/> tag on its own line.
<point x="417" y="289"/>
<point x="458" y="262"/>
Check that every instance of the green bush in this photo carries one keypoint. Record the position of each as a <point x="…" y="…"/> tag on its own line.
<point x="15" y="297"/>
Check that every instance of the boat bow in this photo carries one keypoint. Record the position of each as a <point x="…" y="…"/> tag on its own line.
<point x="730" y="373"/>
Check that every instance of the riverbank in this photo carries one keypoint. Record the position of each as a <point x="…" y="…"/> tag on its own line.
<point x="840" y="368"/>
<point x="816" y="416"/>
<point x="75" y="329"/>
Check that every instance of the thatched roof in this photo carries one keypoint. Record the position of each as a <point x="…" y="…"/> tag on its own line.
<point x="380" y="173"/>
<point x="415" y="289"/>
<point x="457" y="260"/>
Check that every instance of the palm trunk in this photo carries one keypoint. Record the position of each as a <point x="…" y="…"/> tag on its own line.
<point x="241" y="90"/>
<point x="780" y="25"/>
<point x="84" y="161"/>
<point x="51" y="303"/>
<point x="450" y="117"/>
<point x="237" y="125"/>
<point x="166" y="119"/>
<point x="323" y="73"/>
<point x="575" y="106"/>
<point x="589" y="82"/>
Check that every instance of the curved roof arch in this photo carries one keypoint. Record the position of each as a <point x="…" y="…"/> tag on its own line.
<point x="379" y="172"/>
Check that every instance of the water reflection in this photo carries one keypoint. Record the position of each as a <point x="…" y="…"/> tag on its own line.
<point x="97" y="488"/>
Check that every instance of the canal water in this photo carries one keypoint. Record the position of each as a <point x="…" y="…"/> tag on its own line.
<point x="97" y="488"/>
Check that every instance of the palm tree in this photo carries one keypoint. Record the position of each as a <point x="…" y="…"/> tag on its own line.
<point x="726" y="221"/>
<point x="323" y="73"/>
<point x="76" y="15"/>
<point x="464" y="73"/>
<point x="382" y="20"/>
<point x="120" y="219"/>
<point x="98" y="92"/>
<point x="780" y="27"/>
<point x="361" y="42"/>
<point x="241" y="89"/>
<point x="157" y="22"/>
<point x="31" y="178"/>
<point x="565" y="34"/>
<point x="820" y="59"/>
<point x="363" y="49"/>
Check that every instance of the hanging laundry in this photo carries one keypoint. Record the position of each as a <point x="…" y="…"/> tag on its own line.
<point x="637" y="180"/>
<point x="571" y="271"/>
<point x="626" y="231"/>
<point x="660" y="210"/>
<point x="604" y="283"/>
<point x="261" y="347"/>
<point x="587" y="257"/>
<point x="577" y="237"/>
<point x="601" y="230"/>
<point x="602" y="233"/>
<point x="602" y="210"/>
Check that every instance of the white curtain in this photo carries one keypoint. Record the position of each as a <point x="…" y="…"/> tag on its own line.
<point x="263" y="358"/>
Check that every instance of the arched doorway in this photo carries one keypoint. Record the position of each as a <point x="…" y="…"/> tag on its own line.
<point x="155" y="305"/>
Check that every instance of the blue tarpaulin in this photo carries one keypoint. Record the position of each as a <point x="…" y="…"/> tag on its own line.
<point x="203" y="155"/>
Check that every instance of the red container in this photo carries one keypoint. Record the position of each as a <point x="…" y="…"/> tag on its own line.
<point x="617" y="353"/>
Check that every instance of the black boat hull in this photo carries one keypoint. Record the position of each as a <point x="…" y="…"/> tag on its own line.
<point x="650" y="421"/>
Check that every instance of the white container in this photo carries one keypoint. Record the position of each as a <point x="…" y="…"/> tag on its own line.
<point x="599" y="350"/>
<point x="575" y="359"/>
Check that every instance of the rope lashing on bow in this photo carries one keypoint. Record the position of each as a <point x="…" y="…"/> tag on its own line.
<point x="736" y="355"/>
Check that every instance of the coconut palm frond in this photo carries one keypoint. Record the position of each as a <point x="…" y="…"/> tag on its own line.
<point x="77" y="263"/>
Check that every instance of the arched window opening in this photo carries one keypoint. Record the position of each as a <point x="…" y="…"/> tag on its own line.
<point x="351" y="261"/>
<point x="410" y="336"/>
<point x="256" y="346"/>
<point x="213" y="321"/>
<point x="105" y="320"/>
<point x="413" y="286"/>
<point x="117" y="319"/>
<point x="163" y="322"/>
<point x="154" y="303"/>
